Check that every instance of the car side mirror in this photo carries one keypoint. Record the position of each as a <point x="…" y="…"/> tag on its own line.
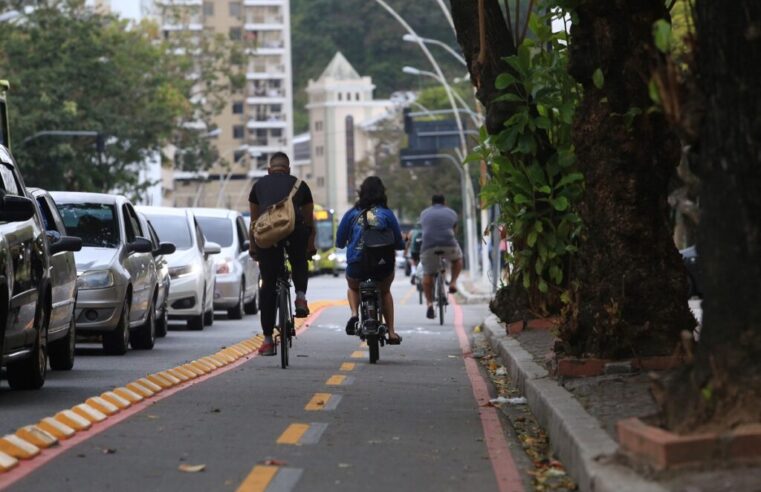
<point x="165" y="249"/>
<point x="140" y="245"/>
<point x="211" y="248"/>
<point x="66" y="243"/>
<point x="246" y="245"/>
<point x="17" y="208"/>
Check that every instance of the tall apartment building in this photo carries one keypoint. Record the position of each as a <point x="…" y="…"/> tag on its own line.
<point x="256" y="122"/>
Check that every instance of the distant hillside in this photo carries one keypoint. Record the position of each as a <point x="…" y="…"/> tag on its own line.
<point x="369" y="38"/>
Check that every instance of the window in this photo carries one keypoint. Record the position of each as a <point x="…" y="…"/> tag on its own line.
<point x="238" y="107"/>
<point x="173" y="228"/>
<point x="356" y="96"/>
<point x="240" y="227"/>
<point x="319" y="150"/>
<point x="95" y="223"/>
<point x="275" y="108"/>
<point x="340" y="96"/>
<point x="238" y="155"/>
<point x="235" y="33"/>
<point x="234" y="9"/>
<point x="9" y="181"/>
<point x="320" y="181"/>
<point x="238" y="132"/>
<point x="208" y="9"/>
<point x="131" y="224"/>
<point x="277" y="132"/>
<point x="318" y="126"/>
<point x="200" y="240"/>
<point x="47" y="216"/>
<point x="217" y="229"/>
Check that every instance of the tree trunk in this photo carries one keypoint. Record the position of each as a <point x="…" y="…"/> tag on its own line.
<point x="723" y="388"/>
<point x="632" y="296"/>
<point x="485" y="63"/>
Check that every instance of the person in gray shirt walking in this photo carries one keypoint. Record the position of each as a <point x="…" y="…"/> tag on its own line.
<point x="438" y="222"/>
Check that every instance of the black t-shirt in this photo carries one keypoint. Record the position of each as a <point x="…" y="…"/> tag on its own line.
<point x="272" y="188"/>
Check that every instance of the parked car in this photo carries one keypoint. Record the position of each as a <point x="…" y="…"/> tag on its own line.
<point x="160" y="252"/>
<point x="116" y="273"/>
<point x="24" y="282"/>
<point x="63" y="282"/>
<point x="236" y="287"/>
<point x="339" y="257"/>
<point x="690" y="259"/>
<point x="191" y="266"/>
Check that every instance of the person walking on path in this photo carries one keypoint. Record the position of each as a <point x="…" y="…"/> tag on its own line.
<point x="364" y="264"/>
<point x="438" y="222"/>
<point x="268" y="191"/>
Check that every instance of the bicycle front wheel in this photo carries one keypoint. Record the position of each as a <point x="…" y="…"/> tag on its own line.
<point x="282" y="308"/>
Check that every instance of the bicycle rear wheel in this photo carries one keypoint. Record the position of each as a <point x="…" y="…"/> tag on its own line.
<point x="440" y="297"/>
<point x="372" y="344"/>
<point x="282" y="308"/>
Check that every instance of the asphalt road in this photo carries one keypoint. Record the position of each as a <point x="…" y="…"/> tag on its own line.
<point x="411" y="422"/>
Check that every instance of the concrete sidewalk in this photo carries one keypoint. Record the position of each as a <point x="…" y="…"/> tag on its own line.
<point x="580" y="415"/>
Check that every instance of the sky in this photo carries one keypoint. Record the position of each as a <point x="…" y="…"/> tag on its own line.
<point x="129" y="9"/>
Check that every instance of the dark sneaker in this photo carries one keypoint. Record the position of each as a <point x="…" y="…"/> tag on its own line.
<point x="430" y="314"/>
<point x="351" y="325"/>
<point x="267" y="349"/>
<point x="452" y="289"/>
<point x="302" y="308"/>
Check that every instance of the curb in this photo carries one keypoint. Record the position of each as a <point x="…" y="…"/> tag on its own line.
<point x="575" y="436"/>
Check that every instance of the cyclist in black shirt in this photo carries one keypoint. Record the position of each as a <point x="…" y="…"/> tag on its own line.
<point x="300" y="244"/>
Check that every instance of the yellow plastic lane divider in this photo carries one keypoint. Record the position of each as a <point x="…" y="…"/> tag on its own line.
<point x="318" y="401"/>
<point x="358" y="354"/>
<point x="57" y="428"/>
<point x="259" y="478"/>
<point x="29" y="440"/>
<point x="34" y="435"/>
<point x="348" y="366"/>
<point x="20" y="449"/>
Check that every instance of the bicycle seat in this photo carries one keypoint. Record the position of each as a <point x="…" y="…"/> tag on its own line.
<point x="438" y="252"/>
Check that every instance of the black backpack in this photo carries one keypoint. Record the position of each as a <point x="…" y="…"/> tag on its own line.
<point x="377" y="244"/>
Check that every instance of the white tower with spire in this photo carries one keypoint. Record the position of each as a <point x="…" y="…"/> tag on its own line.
<point x="340" y="101"/>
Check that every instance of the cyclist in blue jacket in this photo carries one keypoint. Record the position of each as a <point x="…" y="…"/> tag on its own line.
<point x="378" y="265"/>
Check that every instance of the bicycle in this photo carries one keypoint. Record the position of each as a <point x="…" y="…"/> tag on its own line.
<point x="370" y="325"/>
<point x="284" y="316"/>
<point x="440" y="295"/>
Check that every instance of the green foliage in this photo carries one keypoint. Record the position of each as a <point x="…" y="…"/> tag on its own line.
<point x="534" y="179"/>
<point x="73" y="69"/>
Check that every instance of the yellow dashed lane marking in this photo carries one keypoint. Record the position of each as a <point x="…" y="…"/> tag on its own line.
<point x="27" y="441"/>
<point x="336" y="380"/>
<point x="318" y="401"/>
<point x="293" y="434"/>
<point x="259" y="478"/>
<point x="348" y="366"/>
<point x="408" y="295"/>
<point x="358" y="354"/>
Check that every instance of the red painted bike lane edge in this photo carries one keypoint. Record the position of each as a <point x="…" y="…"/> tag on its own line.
<point x="26" y="467"/>
<point x="505" y="471"/>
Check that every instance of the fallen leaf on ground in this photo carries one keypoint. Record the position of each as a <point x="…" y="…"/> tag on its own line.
<point x="191" y="468"/>
<point x="344" y="465"/>
<point x="271" y="462"/>
<point x="109" y="451"/>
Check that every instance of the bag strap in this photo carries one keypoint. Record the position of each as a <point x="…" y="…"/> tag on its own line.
<point x="295" y="188"/>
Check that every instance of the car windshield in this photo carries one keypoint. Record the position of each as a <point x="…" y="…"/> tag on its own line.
<point x="324" y="234"/>
<point x="216" y="229"/>
<point x="172" y="229"/>
<point x="94" y="223"/>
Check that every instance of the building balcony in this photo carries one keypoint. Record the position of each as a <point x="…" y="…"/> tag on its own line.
<point x="264" y="24"/>
<point x="193" y="26"/>
<point x="271" y="121"/>
<point x="178" y="3"/>
<point x="265" y="72"/>
<point x="254" y="100"/>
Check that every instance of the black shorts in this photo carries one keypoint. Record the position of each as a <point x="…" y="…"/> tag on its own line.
<point x="358" y="272"/>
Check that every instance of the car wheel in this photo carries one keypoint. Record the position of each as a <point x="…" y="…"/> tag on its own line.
<point x="62" y="351"/>
<point x="208" y="318"/>
<point x="162" y="322"/>
<point x="252" y="307"/>
<point x="30" y="372"/>
<point x="116" y="341"/>
<point x="145" y="337"/>
<point x="197" y="322"/>
<point x="237" y="311"/>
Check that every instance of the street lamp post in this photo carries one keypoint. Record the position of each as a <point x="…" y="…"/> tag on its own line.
<point x="411" y="38"/>
<point x="472" y="264"/>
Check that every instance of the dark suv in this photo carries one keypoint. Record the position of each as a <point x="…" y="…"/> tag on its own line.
<point x="24" y="282"/>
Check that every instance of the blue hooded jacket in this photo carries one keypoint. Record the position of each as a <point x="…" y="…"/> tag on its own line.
<point x="350" y="230"/>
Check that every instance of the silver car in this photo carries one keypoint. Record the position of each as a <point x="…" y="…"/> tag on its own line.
<point x="160" y="252"/>
<point x="191" y="267"/>
<point x="237" y="282"/>
<point x="63" y="282"/>
<point x="117" y="279"/>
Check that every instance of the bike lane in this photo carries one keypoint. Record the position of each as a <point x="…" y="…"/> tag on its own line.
<point x="330" y="421"/>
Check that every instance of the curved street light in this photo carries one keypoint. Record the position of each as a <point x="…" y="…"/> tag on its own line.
<point x="476" y="118"/>
<point x="412" y="38"/>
